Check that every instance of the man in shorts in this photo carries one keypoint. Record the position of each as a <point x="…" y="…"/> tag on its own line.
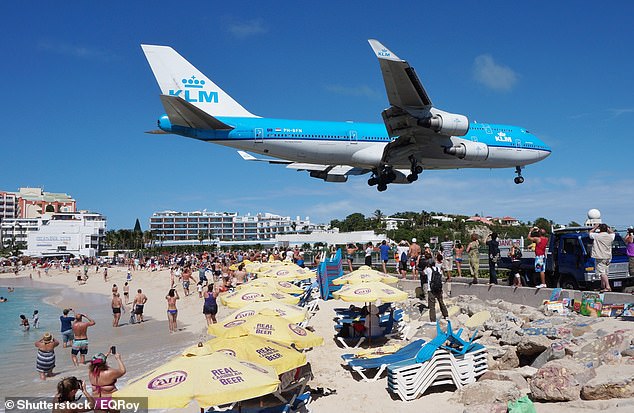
<point x="80" y="342"/>
<point x="447" y="257"/>
<point x="603" y="237"/>
<point x="538" y="236"/>
<point x="414" y="254"/>
<point x="139" y="302"/>
<point x="67" y="327"/>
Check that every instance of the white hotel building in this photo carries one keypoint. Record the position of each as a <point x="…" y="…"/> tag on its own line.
<point x="224" y="228"/>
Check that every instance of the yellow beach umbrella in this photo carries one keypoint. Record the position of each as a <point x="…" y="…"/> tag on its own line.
<point x="254" y="349"/>
<point x="363" y="275"/>
<point x="280" y="285"/>
<point x="287" y="273"/>
<point x="242" y="297"/>
<point x="370" y="292"/>
<point x="273" y="307"/>
<point x="211" y="380"/>
<point x="269" y="327"/>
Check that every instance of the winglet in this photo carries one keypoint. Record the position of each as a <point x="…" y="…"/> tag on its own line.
<point x="383" y="52"/>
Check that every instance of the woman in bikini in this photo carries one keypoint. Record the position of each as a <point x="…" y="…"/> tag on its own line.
<point x="103" y="377"/>
<point x="172" y="312"/>
<point x="67" y="390"/>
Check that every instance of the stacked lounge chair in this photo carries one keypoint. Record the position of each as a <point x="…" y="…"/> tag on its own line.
<point x="447" y="359"/>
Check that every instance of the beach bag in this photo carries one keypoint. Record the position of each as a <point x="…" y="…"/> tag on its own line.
<point x="132" y="318"/>
<point x="521" y="405"/>
<point x="435" y="284"/>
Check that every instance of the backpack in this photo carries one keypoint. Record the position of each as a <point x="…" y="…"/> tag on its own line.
<point x="435" y="284"/>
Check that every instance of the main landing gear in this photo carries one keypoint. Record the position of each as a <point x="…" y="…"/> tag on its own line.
<point x="415" y="170"/>
<point x="519" y="178"/>
<point x="382" y="179"/>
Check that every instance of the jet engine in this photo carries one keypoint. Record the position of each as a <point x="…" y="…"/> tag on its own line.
<point x="449" y="124"/>
<point x="328" y="177"/>
<point x="469" y="151"/>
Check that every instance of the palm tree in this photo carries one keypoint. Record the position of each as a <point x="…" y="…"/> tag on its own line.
<point x="378" y="219"/>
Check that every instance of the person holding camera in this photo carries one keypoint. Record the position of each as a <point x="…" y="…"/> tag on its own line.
<point x="67" y="390"/>
<point x="104" y="377"/>
<point x="629" y="240"/>
<point x="538" y="236"/>
<point x="603" y="237"/>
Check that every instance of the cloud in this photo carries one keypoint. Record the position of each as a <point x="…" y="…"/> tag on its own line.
<point x="493" y="75"/>
<point x="76" y="51"/>
<point x="618" y="112"/>
<point x="361" y="91"/>
<point x="247" y="28"/>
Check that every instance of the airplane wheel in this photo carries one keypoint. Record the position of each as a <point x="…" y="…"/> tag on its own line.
<point x="412" y="177"/>
<point x="418" y="170"/>
<point x="381" y="187"/>
<point x="519" y="179"/>
<point x="373" y="181"/>
<point x="391" y="176"/>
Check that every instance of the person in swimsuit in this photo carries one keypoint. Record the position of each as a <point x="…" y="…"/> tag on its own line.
<point x="139" y="302"/>
<point x="210" y="308"/>
<point x="126" y="293"/>
<point x="117" y="308"/>
<point x="172" y="312"/>
<point x="458" y="250"/>
<point x="80" y="342"/>
<point x="45" y="362"/>
<point x="103" y="377"/>
<point x="24" y="322"/>
<point x="67" y="393"/>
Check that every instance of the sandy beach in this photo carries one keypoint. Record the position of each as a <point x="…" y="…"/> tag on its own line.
<point x="147" y="345"/>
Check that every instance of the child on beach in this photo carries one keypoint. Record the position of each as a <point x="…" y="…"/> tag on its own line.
<point x="24" y="323"/>
<point x="199" y="286"/>
<point x="36" y="319"/>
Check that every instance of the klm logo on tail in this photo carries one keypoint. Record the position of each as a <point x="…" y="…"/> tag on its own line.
<point x="192" y="95"/>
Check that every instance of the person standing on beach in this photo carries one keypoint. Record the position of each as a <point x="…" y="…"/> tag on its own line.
<point x="139" y="302"/>
<point x="67" y="327"/>
<point x="103" y="377"/>
<point x="538" y="236"/>
<point x="494" y="257"/>
<point x="447" y="248"/>
<point x="629" y="242"/>
<point x="45" y="362"/>
<point x="603" y="237"/>
<point x="187" y="279"/>
<point x="126" y="293"/>
<point x="458" y="250"/>
<point x="351" y="249"/>
<point x="105" y="274"/>
<point x="385" y="255"/>
<point x="172" y="311"/>
<point x="117" y="309"/>
<point x="210" y="307"/>
<point x="474" y="257"/>
<point x="36" y="319"/>
<point x="414" y="256"/>
<point x="80" y="342"/>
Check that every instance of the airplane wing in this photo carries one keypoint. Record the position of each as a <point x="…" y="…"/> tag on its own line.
<point x="330" y="173"/>
<point x="185" y="114"/>
<point x="411" y="117"/>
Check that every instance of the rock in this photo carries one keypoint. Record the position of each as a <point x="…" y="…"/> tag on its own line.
<point x="496" y="351"/>
<point x="552" y="353"/>
<point x="628" y="352"/>
<point x="507" y="375"/>
<point x="527" y="371"/>
<point x="488" y="392"/>
<point x="611" y="382"/>
<point x="532" y="345"/>
<point x="508" y="361"/>
<point x="462" y="318"/>
<point x="510" y="337"/>
<point x="560" y="380"/>
<point x="591" y="353"/>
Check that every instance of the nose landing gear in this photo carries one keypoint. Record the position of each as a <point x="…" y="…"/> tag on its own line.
<point x="519" y="178"/>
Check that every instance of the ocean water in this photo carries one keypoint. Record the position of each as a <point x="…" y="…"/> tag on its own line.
<point x="142" y="346"/>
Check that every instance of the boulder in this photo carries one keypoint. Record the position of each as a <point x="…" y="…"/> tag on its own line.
<point x="532" y="345"/>
<point x="510" y="337"/>
<point x="591" y="353"/>
<point x="508" y="361"/>
<point x="527" y="371"/>
<point x="507" y="375"/>
<point x="554" y="352"/>
<point x="560" y="380"/>
<point x="611" y="382"/>
<point x="487" y="408"/>
<point x="488" y="392"/>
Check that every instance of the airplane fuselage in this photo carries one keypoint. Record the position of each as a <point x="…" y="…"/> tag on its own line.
<point x="362" y="144"/>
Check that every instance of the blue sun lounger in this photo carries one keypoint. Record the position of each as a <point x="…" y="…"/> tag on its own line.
<point x="363" y="366"/>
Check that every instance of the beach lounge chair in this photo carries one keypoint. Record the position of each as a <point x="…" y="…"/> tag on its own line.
<point x="365" y="366"/>
<point x="386" y="333"/>
<point x="298" y="405"/>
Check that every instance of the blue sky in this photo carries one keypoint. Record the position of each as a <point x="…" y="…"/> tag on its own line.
<point x="80" y="94"/>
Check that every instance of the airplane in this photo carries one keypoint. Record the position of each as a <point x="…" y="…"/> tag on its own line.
<point x="414" y="135"/>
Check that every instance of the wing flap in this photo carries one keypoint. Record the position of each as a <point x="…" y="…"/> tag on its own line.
<point x="185" y="114"/>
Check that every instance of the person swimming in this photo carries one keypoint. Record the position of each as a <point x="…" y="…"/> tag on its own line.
<point x="24" y="322"/>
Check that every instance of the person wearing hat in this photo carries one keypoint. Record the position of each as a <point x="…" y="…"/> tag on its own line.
<point x="45" y="361"/>
<point x="103" y="378"/>
<point x="414" y="254"/>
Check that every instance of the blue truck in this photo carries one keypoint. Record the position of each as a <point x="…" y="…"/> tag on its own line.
<point x="569" y="265"/>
